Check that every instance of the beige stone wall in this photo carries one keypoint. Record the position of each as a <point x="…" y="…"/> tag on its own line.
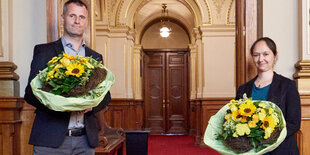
<point x="282" y="26"/>
<point x="117" y="48"/>
<point x="219" y="61"/>
<point x="28" y="29"/>
<point x="5" y="55"/>
<point x="23" y="25"/>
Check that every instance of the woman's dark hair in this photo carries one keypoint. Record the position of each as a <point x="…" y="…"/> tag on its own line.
<point x="77" y="2"/>
<point x="270" y="43"/>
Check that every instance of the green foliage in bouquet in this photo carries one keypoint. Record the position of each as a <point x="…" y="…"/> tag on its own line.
<point x="70" y="76"/>
<point x="250" y="124"/>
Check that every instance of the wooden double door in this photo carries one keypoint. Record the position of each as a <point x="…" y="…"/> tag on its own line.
<point x="166" y="91"/>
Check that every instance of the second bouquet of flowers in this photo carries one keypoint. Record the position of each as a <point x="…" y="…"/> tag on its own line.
<point x="246" y="127"/>
<point x="72" y="83"/>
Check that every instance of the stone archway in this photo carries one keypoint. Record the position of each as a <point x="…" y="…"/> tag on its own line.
<point x="132" y="14"/>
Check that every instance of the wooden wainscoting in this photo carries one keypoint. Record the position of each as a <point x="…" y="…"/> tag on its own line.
<point x="303" y="135"/>
<point x="192" y="112"/>
<point x="125" y="113"/>
<point x="27" y="116"/>
<point x="10" y="124"/>
<point x="200" y="112"/>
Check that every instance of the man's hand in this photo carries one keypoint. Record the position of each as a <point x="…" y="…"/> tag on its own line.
<point x="86" y="110"/>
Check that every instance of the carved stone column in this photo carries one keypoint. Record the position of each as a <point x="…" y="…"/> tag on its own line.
<point x="193" y="71"/>
<point x="302" y="77"/>
<point x="137" y="71"/>
<point x="199" y="63"/>
<point x="8" y="79"/>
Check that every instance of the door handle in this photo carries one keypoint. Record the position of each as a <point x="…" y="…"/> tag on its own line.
<point x="164" y="103"/>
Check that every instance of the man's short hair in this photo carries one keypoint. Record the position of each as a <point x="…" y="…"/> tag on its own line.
<point x="77" y="2"/>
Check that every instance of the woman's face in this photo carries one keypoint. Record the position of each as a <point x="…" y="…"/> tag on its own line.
<point x="263" y="57"/>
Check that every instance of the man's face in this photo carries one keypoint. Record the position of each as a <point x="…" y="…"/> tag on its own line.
<point x="75" y="20"/>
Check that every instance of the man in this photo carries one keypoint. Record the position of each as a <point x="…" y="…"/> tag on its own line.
<point x="64" y="132"/>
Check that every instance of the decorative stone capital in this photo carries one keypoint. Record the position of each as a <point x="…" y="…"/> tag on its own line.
<point x="7" y="71"/>
<point x="114" y="31"/>
<point x="137" y="49"/>
<point x="303" y="69"/>
<point x="8" y="80"/>
<point x="131" y="35"/>
<point x="192" y="47"/>
<point x="302" y="76"/>
<point x="217" y="31"/>
<point x="197" y="33"/>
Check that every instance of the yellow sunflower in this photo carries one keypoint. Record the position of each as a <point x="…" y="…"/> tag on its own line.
<point x="236" y="116"/>
<point x="247" y="109"/>
<point x="268" y="122"/>
<point x="69" y="56"/>
<point x="75" y="69"/>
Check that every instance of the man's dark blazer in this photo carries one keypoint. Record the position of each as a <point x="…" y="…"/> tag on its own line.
<point x="282" y="92"/>
<point x="50" y="127"/>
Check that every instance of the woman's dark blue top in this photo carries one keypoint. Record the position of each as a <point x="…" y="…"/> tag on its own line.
<point x="260" y="93"/>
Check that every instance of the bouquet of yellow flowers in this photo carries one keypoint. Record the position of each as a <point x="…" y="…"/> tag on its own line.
<point x="72" y="83"/>
<point x="246" y="126"/>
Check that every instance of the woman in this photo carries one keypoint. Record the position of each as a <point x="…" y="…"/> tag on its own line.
<point x="270" y="86"/>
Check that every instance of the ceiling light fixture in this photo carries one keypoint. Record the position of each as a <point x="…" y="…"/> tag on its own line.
<point x="164" y="30"/>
